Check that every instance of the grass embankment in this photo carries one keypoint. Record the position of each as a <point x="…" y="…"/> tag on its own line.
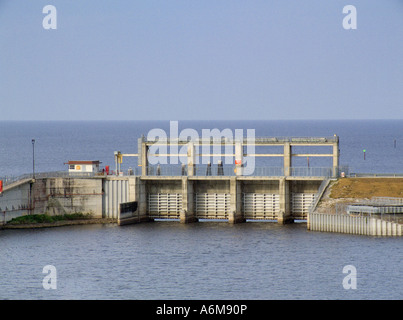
<point x="366" y="188"/>
<point x="46" y="221"/>
<point x="45" y="218"/>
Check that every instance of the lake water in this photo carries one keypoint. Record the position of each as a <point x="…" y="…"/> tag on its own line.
<point x="207" y="260"/>
<point x="57" y="142"/>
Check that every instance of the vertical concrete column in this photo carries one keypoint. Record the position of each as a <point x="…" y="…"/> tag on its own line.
<point x="287" y="159"/>
<point x="141" y="198"/>
<point x="284" y="215"/>
<point x="144" y="159"/>
<point x="238" y="158"/>
<point x="336" y="156"/>
<point x="235" y="215"/>
<point x="133" y="182"/>
<point x="191" y="158"/>
<point x="187" y="214"/>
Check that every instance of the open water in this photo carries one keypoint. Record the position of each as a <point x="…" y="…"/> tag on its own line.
<point x="57" y="142"/>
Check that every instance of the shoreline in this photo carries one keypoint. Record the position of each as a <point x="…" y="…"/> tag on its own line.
<point x="58" y="223"/>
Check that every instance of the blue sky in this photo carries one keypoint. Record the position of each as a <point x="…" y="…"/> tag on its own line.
<point x="189" y="60"/>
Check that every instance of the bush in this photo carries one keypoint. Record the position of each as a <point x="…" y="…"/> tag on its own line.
<point x="45" y="218"/>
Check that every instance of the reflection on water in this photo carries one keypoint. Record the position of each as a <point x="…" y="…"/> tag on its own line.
<point x="206" y="260"/>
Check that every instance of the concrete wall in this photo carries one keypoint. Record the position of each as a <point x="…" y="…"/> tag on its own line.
<point x="53" y="196"/>
<point x="15" y="202"/>
<point x="260" y="186"/>
<point x="69" y="195"/>
<point x="164" y="186"/>
<point x="304" y="186"/>
<point x="211" y="186"/>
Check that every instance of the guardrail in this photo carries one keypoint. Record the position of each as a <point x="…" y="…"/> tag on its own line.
<point x="374" y="175"/>
<point x="199" y="170"/>
<point x="310" y="172"/>
<point x="7" y="180"/>
<point x="318" y="195"/>
<point x="246" y="140"/>
<point x="205" y="170"/>
<point x="202" y="170"/>
<point x="387" y="211"/>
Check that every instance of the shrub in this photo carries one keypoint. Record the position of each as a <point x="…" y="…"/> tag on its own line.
<point x="46" y="218"/>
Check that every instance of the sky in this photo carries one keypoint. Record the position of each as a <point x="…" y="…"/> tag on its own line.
<point x="209" y="60"/>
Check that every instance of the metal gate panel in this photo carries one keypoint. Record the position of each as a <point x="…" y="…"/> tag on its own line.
<point x="212" y="205"/>
<point x="257" y="206"/>
<point x="164" y="205"/>
<point x="115" y="192"/>
<point x="300" y="203"/>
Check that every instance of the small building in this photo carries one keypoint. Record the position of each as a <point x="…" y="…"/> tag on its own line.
<point x="83" y="166"/>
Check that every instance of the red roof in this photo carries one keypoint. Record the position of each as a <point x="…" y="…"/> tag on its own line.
<point x="83" y="162"/>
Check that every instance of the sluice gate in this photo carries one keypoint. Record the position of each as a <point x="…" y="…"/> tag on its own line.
<point x="263" y="206"/>
<point x="236" y="192"/>
<point x="212" y="205"/>
<point x="164" y="205"/>
<point x="226" y="198"/>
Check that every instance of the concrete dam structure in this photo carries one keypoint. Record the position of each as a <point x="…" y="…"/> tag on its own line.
<point x="188" y="192"/>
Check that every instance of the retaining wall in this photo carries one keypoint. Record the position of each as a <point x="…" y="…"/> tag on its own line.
<point x="362" y="225"/>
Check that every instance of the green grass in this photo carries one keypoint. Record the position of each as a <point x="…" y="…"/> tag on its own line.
<point x="45" y="218"/>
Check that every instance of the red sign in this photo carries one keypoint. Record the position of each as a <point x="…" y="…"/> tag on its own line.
<point x="238" y="161"/>
<point x="1" y="186"/>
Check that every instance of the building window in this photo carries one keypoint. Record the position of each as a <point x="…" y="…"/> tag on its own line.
<point x="72" y="167"/>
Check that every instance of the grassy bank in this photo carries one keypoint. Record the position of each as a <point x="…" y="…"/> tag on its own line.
<point x="45" y="218"/>
<point x="367" y="188"/>
<point x="35" y="221"/>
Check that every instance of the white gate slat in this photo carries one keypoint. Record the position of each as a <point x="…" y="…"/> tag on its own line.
<point x="164" y="205"/>
<point x="212" y="205"/>
<point x="260" y="206"/>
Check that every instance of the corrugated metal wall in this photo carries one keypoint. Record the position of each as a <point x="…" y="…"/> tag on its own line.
<point x="363" y="225"/>
<point x="115" y="192"/>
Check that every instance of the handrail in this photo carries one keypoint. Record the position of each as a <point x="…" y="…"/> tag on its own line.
<point x="7" y="180"/>
<point x="318" y="195"/>
<point x="254" y="140"/>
